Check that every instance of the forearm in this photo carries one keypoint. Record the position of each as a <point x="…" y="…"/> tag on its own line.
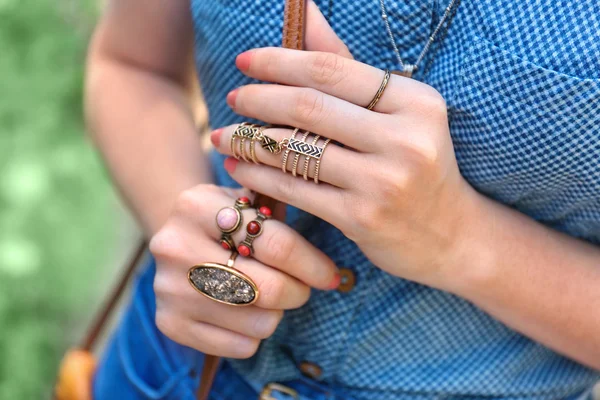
<point x="142" y="124"/>
<point x="538" y="281"/>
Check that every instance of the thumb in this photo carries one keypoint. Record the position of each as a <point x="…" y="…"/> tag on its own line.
<point x="319" y="34"/>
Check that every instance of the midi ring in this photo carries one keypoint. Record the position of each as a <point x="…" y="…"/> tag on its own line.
<point x="253" y="230"/>
<point x="265" y="141"/>
<point x="229" y="220"/>
<point x="384" y="84"/>
<point x="243" y="132"/>
<point x="311" y="151"/>
<point x="223" y="283"/>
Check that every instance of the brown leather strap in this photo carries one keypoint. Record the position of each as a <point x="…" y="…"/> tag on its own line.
<point x="99" y="322"/>
<point x="209" y="371"/>
<point x="292" y="38"/>
<point x="293" y="24"/>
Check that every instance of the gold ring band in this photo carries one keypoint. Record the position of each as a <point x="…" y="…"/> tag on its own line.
<point x="318" y="164"/>
<point x="384" y="84"/>
<point x="297" y="155"/>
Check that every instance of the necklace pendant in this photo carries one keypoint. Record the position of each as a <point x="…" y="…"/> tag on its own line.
<point x="408" y="71"/>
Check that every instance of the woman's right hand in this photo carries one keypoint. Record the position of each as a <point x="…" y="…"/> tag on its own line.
<point x="284" y="267"/>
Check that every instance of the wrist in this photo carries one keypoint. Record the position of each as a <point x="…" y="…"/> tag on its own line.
<point x="472" y="261"/>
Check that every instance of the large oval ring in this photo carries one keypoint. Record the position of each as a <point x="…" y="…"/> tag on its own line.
<point x="223" y="283"/>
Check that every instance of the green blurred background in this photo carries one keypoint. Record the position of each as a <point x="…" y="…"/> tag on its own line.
<point x="62" y="232"/>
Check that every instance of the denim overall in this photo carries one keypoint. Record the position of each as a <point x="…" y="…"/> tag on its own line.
<point x="522" y="84"/>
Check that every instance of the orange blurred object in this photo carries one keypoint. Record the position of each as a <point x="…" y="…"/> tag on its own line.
<point x="75" y="376"/>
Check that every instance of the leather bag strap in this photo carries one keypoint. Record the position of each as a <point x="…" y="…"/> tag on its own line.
<point x="294" y="21"/>
<point x="294" y="24"/>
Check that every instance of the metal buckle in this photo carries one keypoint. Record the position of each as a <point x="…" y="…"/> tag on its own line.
<point x="270" y="388"/>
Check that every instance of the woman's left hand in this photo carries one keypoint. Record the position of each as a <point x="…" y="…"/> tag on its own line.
<point x="394" y="188"/>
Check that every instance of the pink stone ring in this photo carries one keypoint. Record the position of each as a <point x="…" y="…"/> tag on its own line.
<point x="253" y="230"/>
<point x="229" y="220"/>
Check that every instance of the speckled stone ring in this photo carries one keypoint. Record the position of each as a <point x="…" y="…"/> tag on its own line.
<point x="223" y="283"/>
<point x="253" y="230"/>
<point x="229" y="220"/>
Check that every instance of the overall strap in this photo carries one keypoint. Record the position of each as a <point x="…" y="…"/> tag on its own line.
<point x="292" y="38"/>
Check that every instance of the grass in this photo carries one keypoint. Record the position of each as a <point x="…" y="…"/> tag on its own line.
<point x="55" y="200"/>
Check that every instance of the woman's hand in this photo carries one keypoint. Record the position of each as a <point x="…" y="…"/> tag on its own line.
<point x="394" y="188"/>
<point x="284" y="269"/>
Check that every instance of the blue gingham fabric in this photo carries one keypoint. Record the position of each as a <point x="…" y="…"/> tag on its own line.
<point x="522" y="84"/>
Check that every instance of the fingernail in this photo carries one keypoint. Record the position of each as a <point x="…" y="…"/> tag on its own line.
<point x="215" y="137"/>
<point x="242" y="61"/>
<point x="230" y="164"/>
<point x="231" y="96"/>
<point x="336" y="281"/>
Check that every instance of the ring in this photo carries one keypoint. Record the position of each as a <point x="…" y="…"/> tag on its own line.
<point x="384" y="83"/>
<point x="253" y="230"/>
<point x="297" y="155"/>
<point x="266" y="143"/>
<point x="244" y="131"/>
<point x="223" y="283"/>
<point x="229" y="220"/>
<point x="301" y="148"/>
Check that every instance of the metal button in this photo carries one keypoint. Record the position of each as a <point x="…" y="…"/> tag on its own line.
<point x="348" y="280"/>
<point x="311" y="370"/>
<point x="273" y="388"/>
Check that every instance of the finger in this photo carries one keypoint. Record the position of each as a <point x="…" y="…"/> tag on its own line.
<point x="337" y="168"/>
<point x="206" y="338"/>
<point x="250" y="321"/>
<point x="179" y="250"/>
<point x="309" y="109"/>
<point x="329" y="73"/>
<point x="319" y="34"/>
<point x="278" y="245"/>
<point x="323" y="201"/>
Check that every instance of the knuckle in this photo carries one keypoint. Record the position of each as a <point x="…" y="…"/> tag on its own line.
<point x="161" y="285"/>
<point x="391" y="185"/>
<point x="366" y="217"/>
<point x="326" y="69"/>
<point x="188" y="202"/>
<point x="309" y="107"/>
<point x="431" y="102"/>
<point x="166" y="244"/>
<point x="266" y="324"/>
<point x="165" y="323"/>
<point x="245" y="347"/>
<point x="427" y="153"/>
<point x="281" y="247"/>
<point x="273" y="292"/>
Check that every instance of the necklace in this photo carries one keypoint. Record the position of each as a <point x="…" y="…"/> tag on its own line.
<point x="408" y="69"/>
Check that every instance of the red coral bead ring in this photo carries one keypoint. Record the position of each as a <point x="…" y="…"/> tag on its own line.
<point x="253" y="230"/>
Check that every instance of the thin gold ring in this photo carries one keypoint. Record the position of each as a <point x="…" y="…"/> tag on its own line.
<point x="384" y="84"/>
<point x="259" y="136"/>
<point x="318" y="163"/>
<point x="233" y="137"/>
<point x="286" y="154"/>
<point x="307" y="159"/>
<point x="297" y="156"/>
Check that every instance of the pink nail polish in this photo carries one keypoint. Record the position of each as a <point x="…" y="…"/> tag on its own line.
<point x="230" y="164"/>
<point x="231" y="96"/>
<point x="336" y="281"/>
<point x="215" y="137"/>
<point x="242" y="61"/>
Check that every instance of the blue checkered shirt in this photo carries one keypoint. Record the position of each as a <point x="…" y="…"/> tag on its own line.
<point x="522" y="83"/>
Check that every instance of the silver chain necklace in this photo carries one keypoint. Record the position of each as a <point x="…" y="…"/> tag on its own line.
<point x="408" y="69"/>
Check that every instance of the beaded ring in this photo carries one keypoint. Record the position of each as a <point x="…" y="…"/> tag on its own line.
<point x="253" y="230"/>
